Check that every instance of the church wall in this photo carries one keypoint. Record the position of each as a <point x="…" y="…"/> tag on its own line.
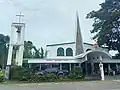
<point x="52" y="50"/>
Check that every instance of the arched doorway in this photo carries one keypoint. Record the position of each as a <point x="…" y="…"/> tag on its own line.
<point x="92" y="59"/>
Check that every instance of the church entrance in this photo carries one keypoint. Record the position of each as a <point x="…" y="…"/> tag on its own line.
<point x="93" y="63"/>
<point x="90" y="68"/>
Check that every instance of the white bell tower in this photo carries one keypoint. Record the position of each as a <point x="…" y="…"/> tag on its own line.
<point x="17" y="28"/>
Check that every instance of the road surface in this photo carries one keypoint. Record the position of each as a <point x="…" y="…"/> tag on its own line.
<point x="90" y="85"/>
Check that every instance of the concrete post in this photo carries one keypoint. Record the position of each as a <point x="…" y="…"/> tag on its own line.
<point x="40" y="67"/>
<point x="70" y="67"/>
<point x="29" y="65"/>
<point x="21" y="43"/>
<point x="9" y="60"/>
<point x="109" y="69"/>
<point x="86" y="64"/>
<point x="92" y="68"/>
<point x="51" y="65"/>
<point x="86" y="68"/>
<point x="79" y="65"/>
<point x="20" y="61"/>
<point x="117" y="67"/>
<point x="60" y="66"/>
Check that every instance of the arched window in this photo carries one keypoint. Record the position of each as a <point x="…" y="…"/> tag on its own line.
<point x="69" y="52"/>
<point x="60" y="51"/>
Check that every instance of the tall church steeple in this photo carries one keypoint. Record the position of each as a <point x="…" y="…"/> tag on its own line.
<point x="79" y="41"/>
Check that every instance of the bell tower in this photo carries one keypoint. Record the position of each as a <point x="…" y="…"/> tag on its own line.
<point x="17" y="28"/>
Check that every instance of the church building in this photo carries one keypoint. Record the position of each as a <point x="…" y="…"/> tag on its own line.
<point x="77" y="54"/>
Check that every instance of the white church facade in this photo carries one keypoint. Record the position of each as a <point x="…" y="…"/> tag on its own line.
<point x="90" y="58"/>
<point x="87" y="56"/>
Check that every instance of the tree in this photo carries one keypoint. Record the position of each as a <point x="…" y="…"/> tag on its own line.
<point x="4" y="40"/>
<point x="106" y="26"/>
<point x="37" y="52"/>
<point x="28" y="47"/>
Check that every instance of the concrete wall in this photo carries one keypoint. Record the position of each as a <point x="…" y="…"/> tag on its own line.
<point x="52" y="50"/>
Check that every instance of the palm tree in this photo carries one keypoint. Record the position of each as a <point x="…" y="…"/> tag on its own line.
<point x="28" y="47"/>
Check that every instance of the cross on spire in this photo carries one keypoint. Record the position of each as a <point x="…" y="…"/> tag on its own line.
<point x="20" y="16"/>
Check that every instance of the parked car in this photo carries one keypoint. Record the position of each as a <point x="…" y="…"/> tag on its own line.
<point x="53" y="70"/>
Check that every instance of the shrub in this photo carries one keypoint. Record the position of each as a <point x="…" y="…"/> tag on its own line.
<point x="51" y="77"/>
<point x="25" y="74"/>
<point x="37" y="78"/>
<point x="1" y="76"/>
<point x="76" y="74"/>
<point x="20" y="73"/>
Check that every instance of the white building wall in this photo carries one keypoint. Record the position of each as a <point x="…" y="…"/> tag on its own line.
<point x="52" y="49"/>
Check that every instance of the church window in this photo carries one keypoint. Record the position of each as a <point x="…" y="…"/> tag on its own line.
<point x="69" y="52"/>
<point x="60" y="51"/>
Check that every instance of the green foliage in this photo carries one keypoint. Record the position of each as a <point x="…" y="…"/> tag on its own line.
<point x="43" y="78"/>
<point x="106" y="24"/>
<point x="4" y="40"/>
<point x="28" y="47"/>
<point x="24" y="74"/>
<point x="51" y="77"/>
<point x="76" y="74"/>
<point x="20" y="73"/>
<point x="2" y="76"/>
<point x="37" y="78"/>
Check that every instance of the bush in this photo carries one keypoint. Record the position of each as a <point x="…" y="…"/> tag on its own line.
<point x="51" y="77"/>
<point x="37" y="78"/>
<point x="1" y="76"/>
<point x="76" y="74"/>
<point x="20" y="73"/>
<point x="25" y="74"/>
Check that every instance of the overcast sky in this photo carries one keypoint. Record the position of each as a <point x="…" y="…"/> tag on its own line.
<point x="48" y="21"/>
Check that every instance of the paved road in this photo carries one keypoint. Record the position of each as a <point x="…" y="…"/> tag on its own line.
<point x="91" y="85"/>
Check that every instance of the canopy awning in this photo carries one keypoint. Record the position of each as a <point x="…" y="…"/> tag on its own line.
<point x="94" y="52"/>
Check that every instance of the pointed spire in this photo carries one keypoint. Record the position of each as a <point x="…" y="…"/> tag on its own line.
<point x="79" y="41"/>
